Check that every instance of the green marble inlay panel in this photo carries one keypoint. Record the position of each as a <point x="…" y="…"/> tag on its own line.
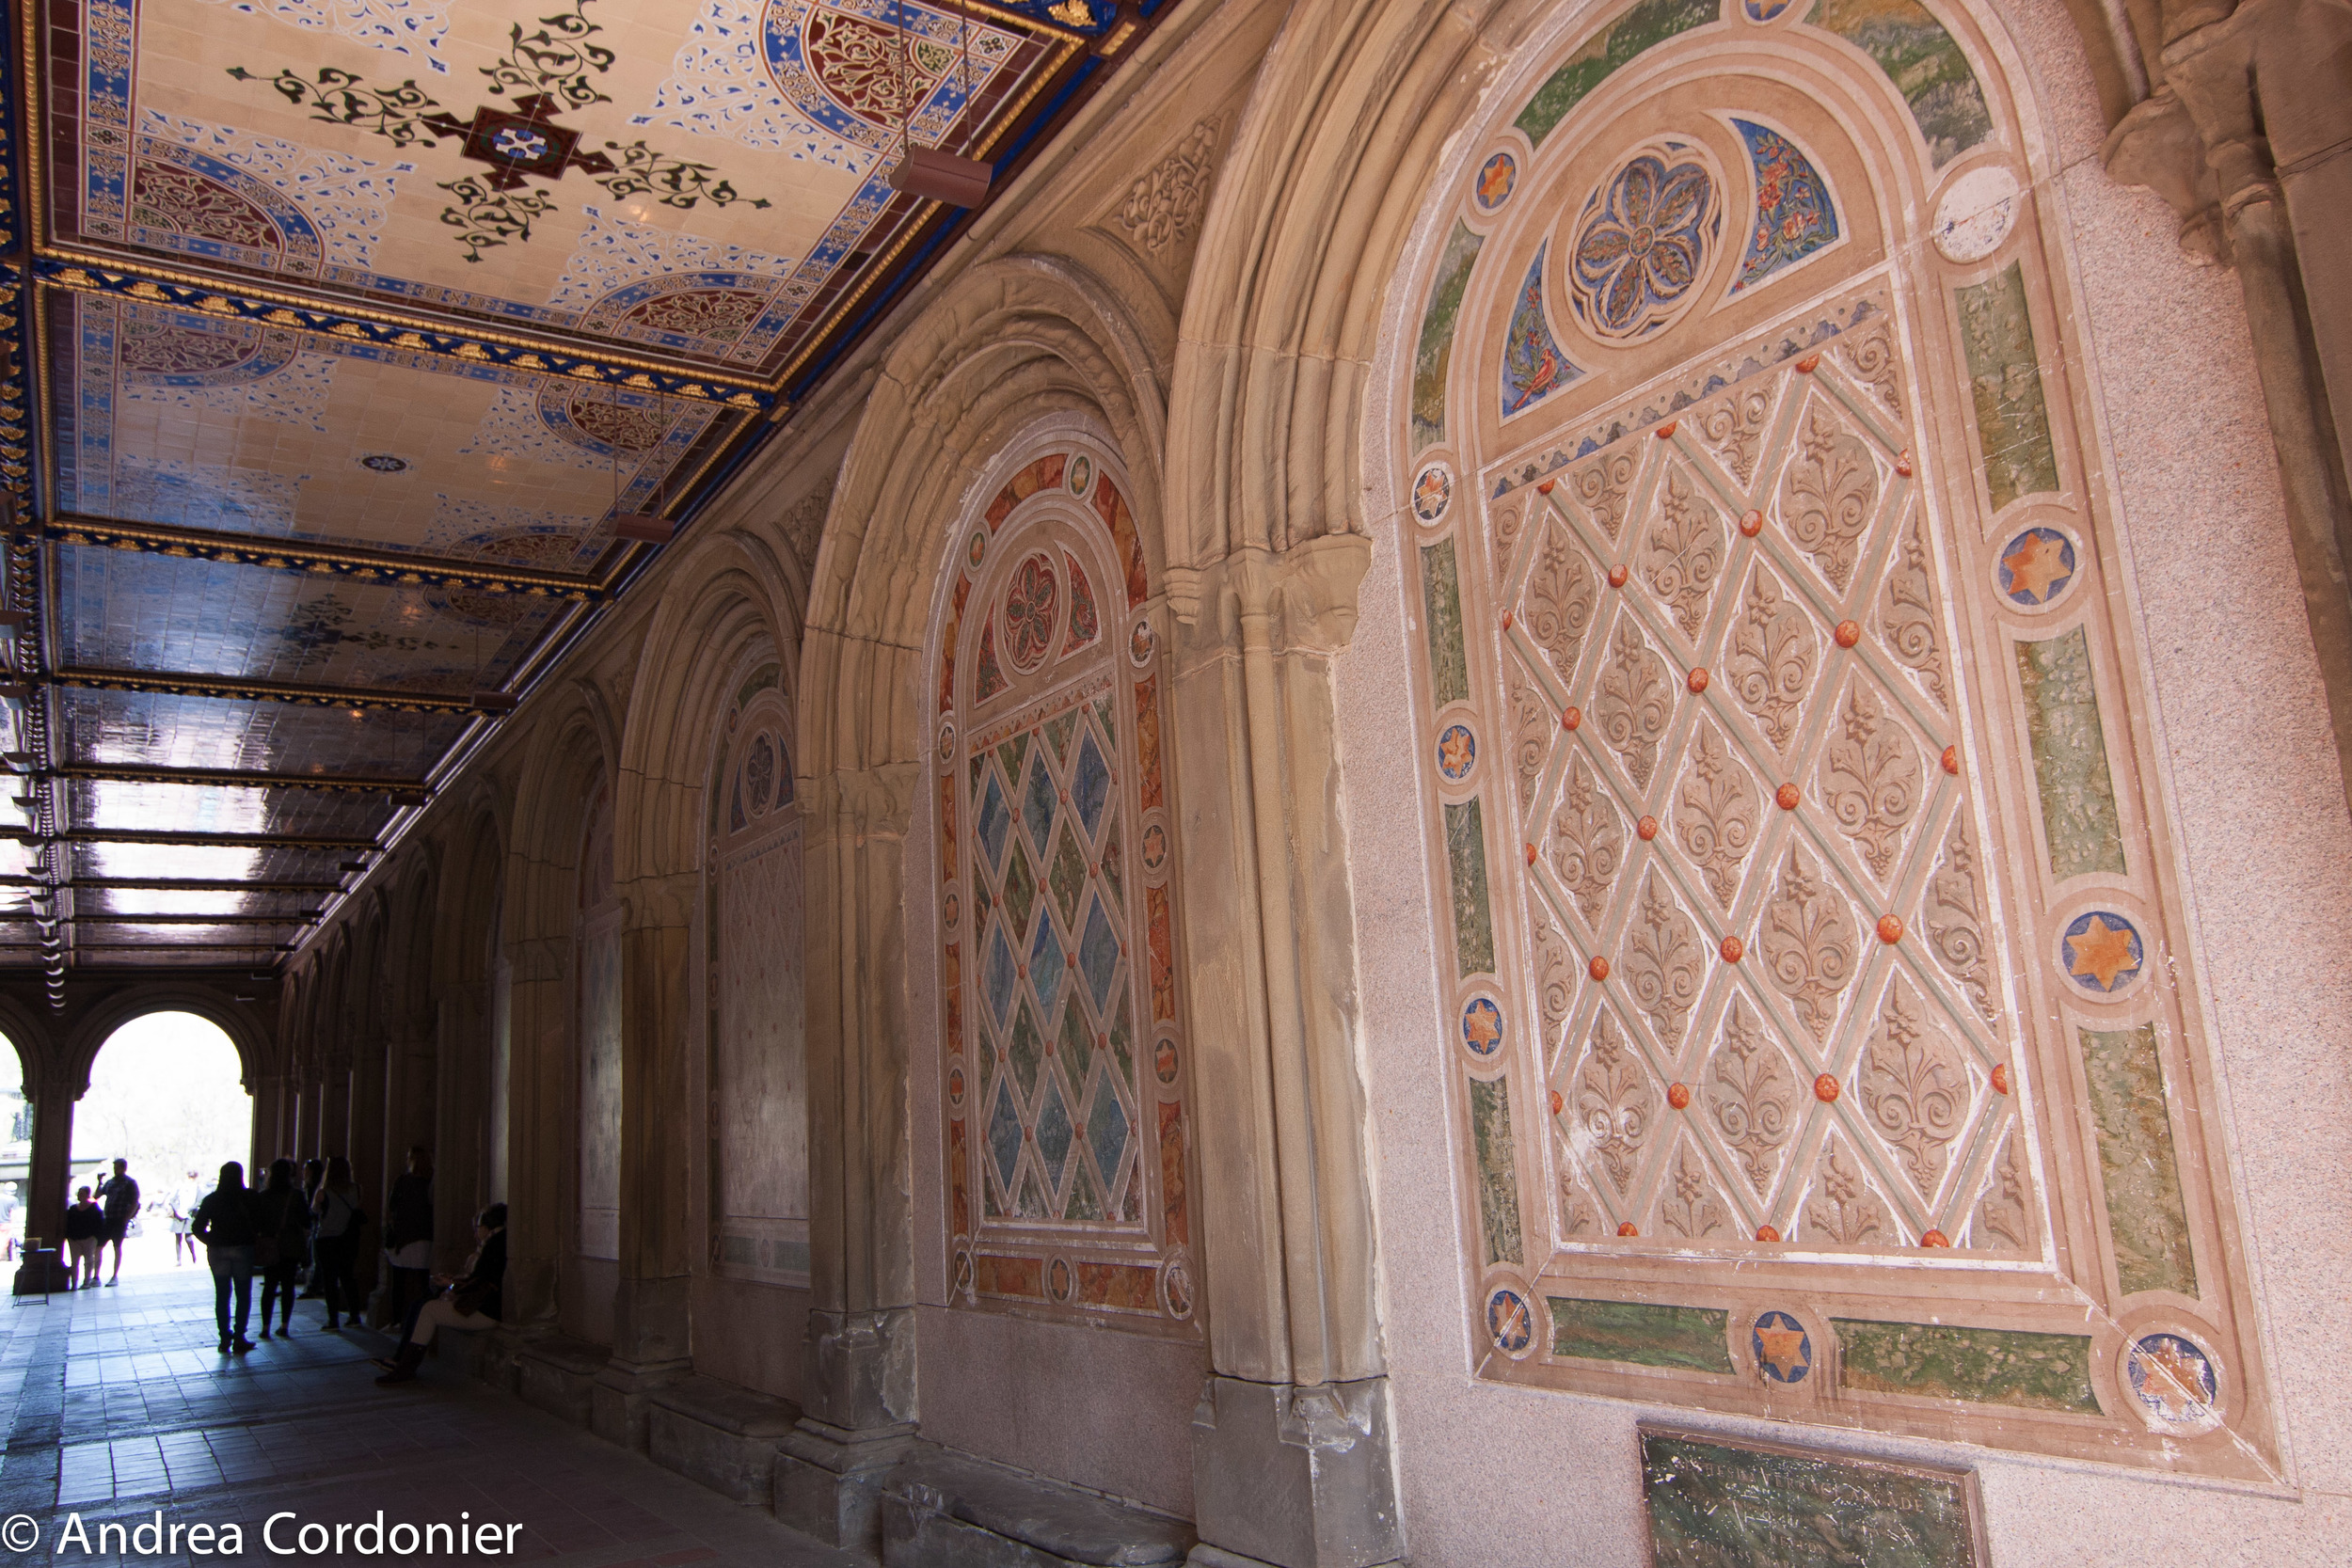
<point x="1498" y="1169"/>
<point x="1652" y="22"/>
<point x="2146" y="1215"/>
<point x="2069" y="757"/>
<point x="1730" y="1505"/>
<point x="1688" y="1337"/>
<point x="1442" y="605"/>
<point x="1926" y="64"/>
<point x="2005" y="375"/>
<point x="1436" y="352"/>
<point x="1473" y="919"/>
<point x="1989" y="1366"/>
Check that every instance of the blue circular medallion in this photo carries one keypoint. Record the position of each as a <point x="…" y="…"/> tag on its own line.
<point x="1510" y="1323"/>
<point x="2036" y="566"/>
<point x="1782" y="1348"/>
<point x="2104" y="953"/>
<point x="2174" y="1379"/>
<point x="1482" y="1026"/>
<point x="1458" y="753"/>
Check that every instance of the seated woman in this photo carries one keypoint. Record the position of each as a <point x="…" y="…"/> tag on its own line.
<point x="467" y="1300"/>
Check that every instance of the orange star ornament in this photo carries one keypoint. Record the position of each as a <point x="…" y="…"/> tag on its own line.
<point x="1783" y="1350"/>
<point x="1455" y="748"/>
<point x="2103" y="952"/>
<point x="2173" y="1382"/>
<point x="2035" y="563"/>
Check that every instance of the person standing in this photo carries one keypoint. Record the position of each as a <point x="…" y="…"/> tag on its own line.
<point x="121" y="1197"/>
<point x="313" y="1177"/>
<point x="281" y="1228"/>
<point x="335" y="1246"/>
<point x="84" y="1232"/>
<point x="224" y="1223"/>
<point x="184" y="1202"/>
<point x="408" y="1233"/>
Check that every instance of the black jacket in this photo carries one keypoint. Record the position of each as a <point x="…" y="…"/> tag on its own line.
<point x="84" y="1222"/>
<point x="482" y="1289"/>
<point x="226" y="1218"/>
<point x="408" y="1211"/>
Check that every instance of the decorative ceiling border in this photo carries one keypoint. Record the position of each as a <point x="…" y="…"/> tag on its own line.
<point x="246" y="549"/>
<point x="155" y="287"/>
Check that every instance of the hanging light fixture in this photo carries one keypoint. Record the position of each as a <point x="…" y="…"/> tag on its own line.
<point x="933" y="172"/>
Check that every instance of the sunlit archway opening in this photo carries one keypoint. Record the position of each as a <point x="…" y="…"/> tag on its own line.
<point x="166" y="1095"/>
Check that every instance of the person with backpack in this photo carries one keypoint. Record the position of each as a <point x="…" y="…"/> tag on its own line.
<point x="335" y="1243"/>
<point x="283" y="1222"/>
<point x="224" y="1223"/>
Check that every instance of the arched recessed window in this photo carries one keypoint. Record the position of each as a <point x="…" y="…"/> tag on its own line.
<point x="1818" y="1036"/>
<point x="757" y="1068"/>
<point x="1067" y="1156"/>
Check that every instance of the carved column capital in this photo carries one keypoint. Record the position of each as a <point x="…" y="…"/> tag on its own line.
<point x="1302" y="599"/>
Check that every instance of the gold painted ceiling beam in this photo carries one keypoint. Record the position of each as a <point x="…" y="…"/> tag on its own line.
<point x="399" y="567"/>
<point x="194" y="840"/>
<point x="170" y="885"/>
<point x="124" y="772"/>
<point x="104" y="918"/>
<point x="234" y="690"/>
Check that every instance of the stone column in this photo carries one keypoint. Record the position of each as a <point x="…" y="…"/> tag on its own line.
<point x="544" y="1110"/>
<point x="652" y="1305"/>
<point x="858" y="1386"/>
<point x="443" y="1108"/>
<point x="2241" y="87"/>
<point x="46" y="1188"/>
<point x="1292" y="1461"/>
<point x="368" y="1163"/>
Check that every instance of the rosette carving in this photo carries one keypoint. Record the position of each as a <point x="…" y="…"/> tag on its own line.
<point x="1690" y="1209"/>
<point x="1559" y="600"/>
<point x="1664" y="962"/>
<point x="1809" y="942"/>
<point x="1870" y="779"/>
<point x="1733" y="428"/>
<point x="1954" y="917"/>
<point x="1602" y="485"/>
<point x="1827" y="493"/>
<point x="1715" y="812"/>
<point x="1587" y="842"/>
<point x="1750" y="1093"/>
<point x="1634" y="703"/>
<point x="1614" y="1104"/>
<point x="1775" y="652"/>
<point x="1684" y="553"/>
<point x="1913" y="1088"/>
<point x="1842" y="1210"/>
<point x="1907" y="614"/>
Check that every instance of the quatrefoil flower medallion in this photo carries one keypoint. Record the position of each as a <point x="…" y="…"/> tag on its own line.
<point x="1644" y="240"/>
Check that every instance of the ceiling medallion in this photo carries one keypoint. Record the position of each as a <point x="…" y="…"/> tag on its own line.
<point x="384" y="463"/>
<point x="551" y="70"/>
<point x="1646" y="236"/>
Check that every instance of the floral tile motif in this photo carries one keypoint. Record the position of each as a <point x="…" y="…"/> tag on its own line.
<point x="1795" y="213"/>
<point x="1642" y="241"/>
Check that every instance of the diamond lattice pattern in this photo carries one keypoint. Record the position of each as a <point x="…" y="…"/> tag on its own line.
<point x="1057" y="1109"/>
<point x="1746" y="740"/>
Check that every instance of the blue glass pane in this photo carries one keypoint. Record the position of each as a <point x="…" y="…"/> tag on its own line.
<point x="1037" y="802"/>
<point x="993" y="818"/>
<point x="1004" y="1134"/>
<point x="1047" y="962"/>
<point x="997" y="978"/>
<point x="1090" y="785"/>
<point x="1107" y="1131"/>
<point x="1098" y="953"/>
<point x="1053" y="1133"/>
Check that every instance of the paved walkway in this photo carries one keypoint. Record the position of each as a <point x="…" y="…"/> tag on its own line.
<point x="115" y="1407"/>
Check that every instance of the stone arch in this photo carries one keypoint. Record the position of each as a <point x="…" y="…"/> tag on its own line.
<point x="1628" y="575"/>
<point x="241" y="1022"/>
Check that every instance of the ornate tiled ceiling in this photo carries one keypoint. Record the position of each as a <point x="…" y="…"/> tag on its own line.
<point x="342" y="330"/>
